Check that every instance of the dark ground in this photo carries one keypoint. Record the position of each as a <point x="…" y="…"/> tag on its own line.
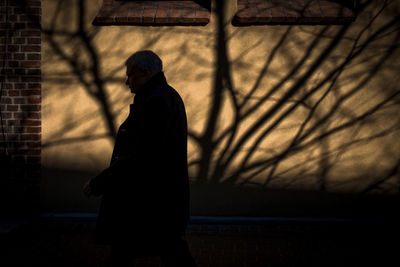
<point x="274" y="243"/>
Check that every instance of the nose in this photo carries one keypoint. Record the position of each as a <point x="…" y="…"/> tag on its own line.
<point x="127" y="81"/>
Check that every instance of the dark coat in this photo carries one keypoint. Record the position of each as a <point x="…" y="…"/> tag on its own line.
<point x="145" y="190"/>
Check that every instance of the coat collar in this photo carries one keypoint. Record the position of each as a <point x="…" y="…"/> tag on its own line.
<point x="157" y="81"/>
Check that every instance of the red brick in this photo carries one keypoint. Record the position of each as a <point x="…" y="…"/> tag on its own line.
<point x="13" y="93"/>
<point x="19" y="40"/>
<point x="30" y="48"/>
<point x="134" y="15"/>
<point x="188" y="15"/>
<point x="20" y="71"/>
<point x="13" y="137"/>
<point x="34" y="100"/>
<point x="149" y="14"/>
<point x="188" y="4"/>
<point x="13" y="48"/>
<point x="278" y="14"/>
<point x="12" y="107"/>
<point x="18" y="10"/>
<point x="34" y="144"/>
<point x="32" y="137"/>
<point x="30" y="33"/>
<point x="30" y="122"/>
<point x="33" y="152"/>
<point x="313" y="9"/>
<point x="174" y="14"/>
<point x="13" y="18"/>
<point x="23" y="18"/>
<point x="30" y="107"/>
<point x="20" y="86"/>
<point x="6" y="100"/>
<point x="24" y="116"/>
<point x="35" y="24"/>
<point x="35" y="10"/>
<point x="9" y="71"/>
<point x="13" y="79"/>
<point x="248" y="15"/>
<point x="334" y="10"/>
<point x="19" y="100"/>
<point x="8" y="86"/>
<point x="34" y="85"/>
<point x="162" y="13"/>
<point x="31" y="79"/>
<point x="34" y="129"/>
<point x="12" y="122"/>
<point x="17" y="130"/>
<point x="31" y="64"/>
<point x="13" y="64"/>
<point x="33" y="159"/>
<point x="122" y="14"/>
<point x="19" y="56"/>
<point x="34" y="115"/>
<point x="3" y="33"/>
<point x="264" y="6"/>
<point x="8" y="56"/>
<point x="19" y="158"/>
<point x="34" y="72"/>
<point x="19" y="25"/>
<point x="20" y="115"/>
<point x="33" y="3"/>
<point x="34" y="40"/>
<point x="30" y="92"/>
<point x="6" y="115"/>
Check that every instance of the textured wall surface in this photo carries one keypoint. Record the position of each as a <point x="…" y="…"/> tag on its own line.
<point x="274" y="108"/>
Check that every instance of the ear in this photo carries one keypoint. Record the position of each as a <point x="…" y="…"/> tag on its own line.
<point x="147" y="73"/>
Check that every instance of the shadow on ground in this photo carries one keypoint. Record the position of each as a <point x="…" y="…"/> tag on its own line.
<point x="69" y="243"/>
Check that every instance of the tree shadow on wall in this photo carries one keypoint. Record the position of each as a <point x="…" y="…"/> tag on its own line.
<point x="236" y="153"/>
<point x="301" y="114"/>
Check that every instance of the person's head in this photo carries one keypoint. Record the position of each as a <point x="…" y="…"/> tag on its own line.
<point x="140" y="67"/>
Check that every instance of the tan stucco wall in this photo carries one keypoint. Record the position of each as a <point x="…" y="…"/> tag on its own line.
<point x="71" y="113"/>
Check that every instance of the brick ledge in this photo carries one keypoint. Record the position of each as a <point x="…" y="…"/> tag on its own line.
<point x="153" y="13"/>
<point x="295" y="12"/>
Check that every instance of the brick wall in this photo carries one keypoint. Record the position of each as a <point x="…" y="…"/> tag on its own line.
<point x="20" y="137"/>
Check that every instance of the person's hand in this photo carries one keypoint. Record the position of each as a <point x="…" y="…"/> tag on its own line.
<point x="87" y="190"/>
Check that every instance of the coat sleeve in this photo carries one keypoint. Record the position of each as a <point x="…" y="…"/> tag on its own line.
<point x="146" y="148"/>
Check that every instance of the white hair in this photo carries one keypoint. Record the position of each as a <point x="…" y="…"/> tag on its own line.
<point x="145" y="60"/>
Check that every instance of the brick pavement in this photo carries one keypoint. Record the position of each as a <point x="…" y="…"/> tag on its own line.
<point x="270" y="244"/>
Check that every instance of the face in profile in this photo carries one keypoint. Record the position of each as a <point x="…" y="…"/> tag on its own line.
<point x="136" y="78"/>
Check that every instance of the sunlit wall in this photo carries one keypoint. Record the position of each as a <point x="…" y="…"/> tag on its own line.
<point x="292" y="107"/>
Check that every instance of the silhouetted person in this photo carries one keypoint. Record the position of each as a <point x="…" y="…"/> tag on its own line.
<point x="145" y="191"/>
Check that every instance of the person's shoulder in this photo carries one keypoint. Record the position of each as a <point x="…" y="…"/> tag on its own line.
<point x="166" y="92"/>
<point x="159" y="94"/>
<point x="159" y="99"/>
<point x="171" y="91"/>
